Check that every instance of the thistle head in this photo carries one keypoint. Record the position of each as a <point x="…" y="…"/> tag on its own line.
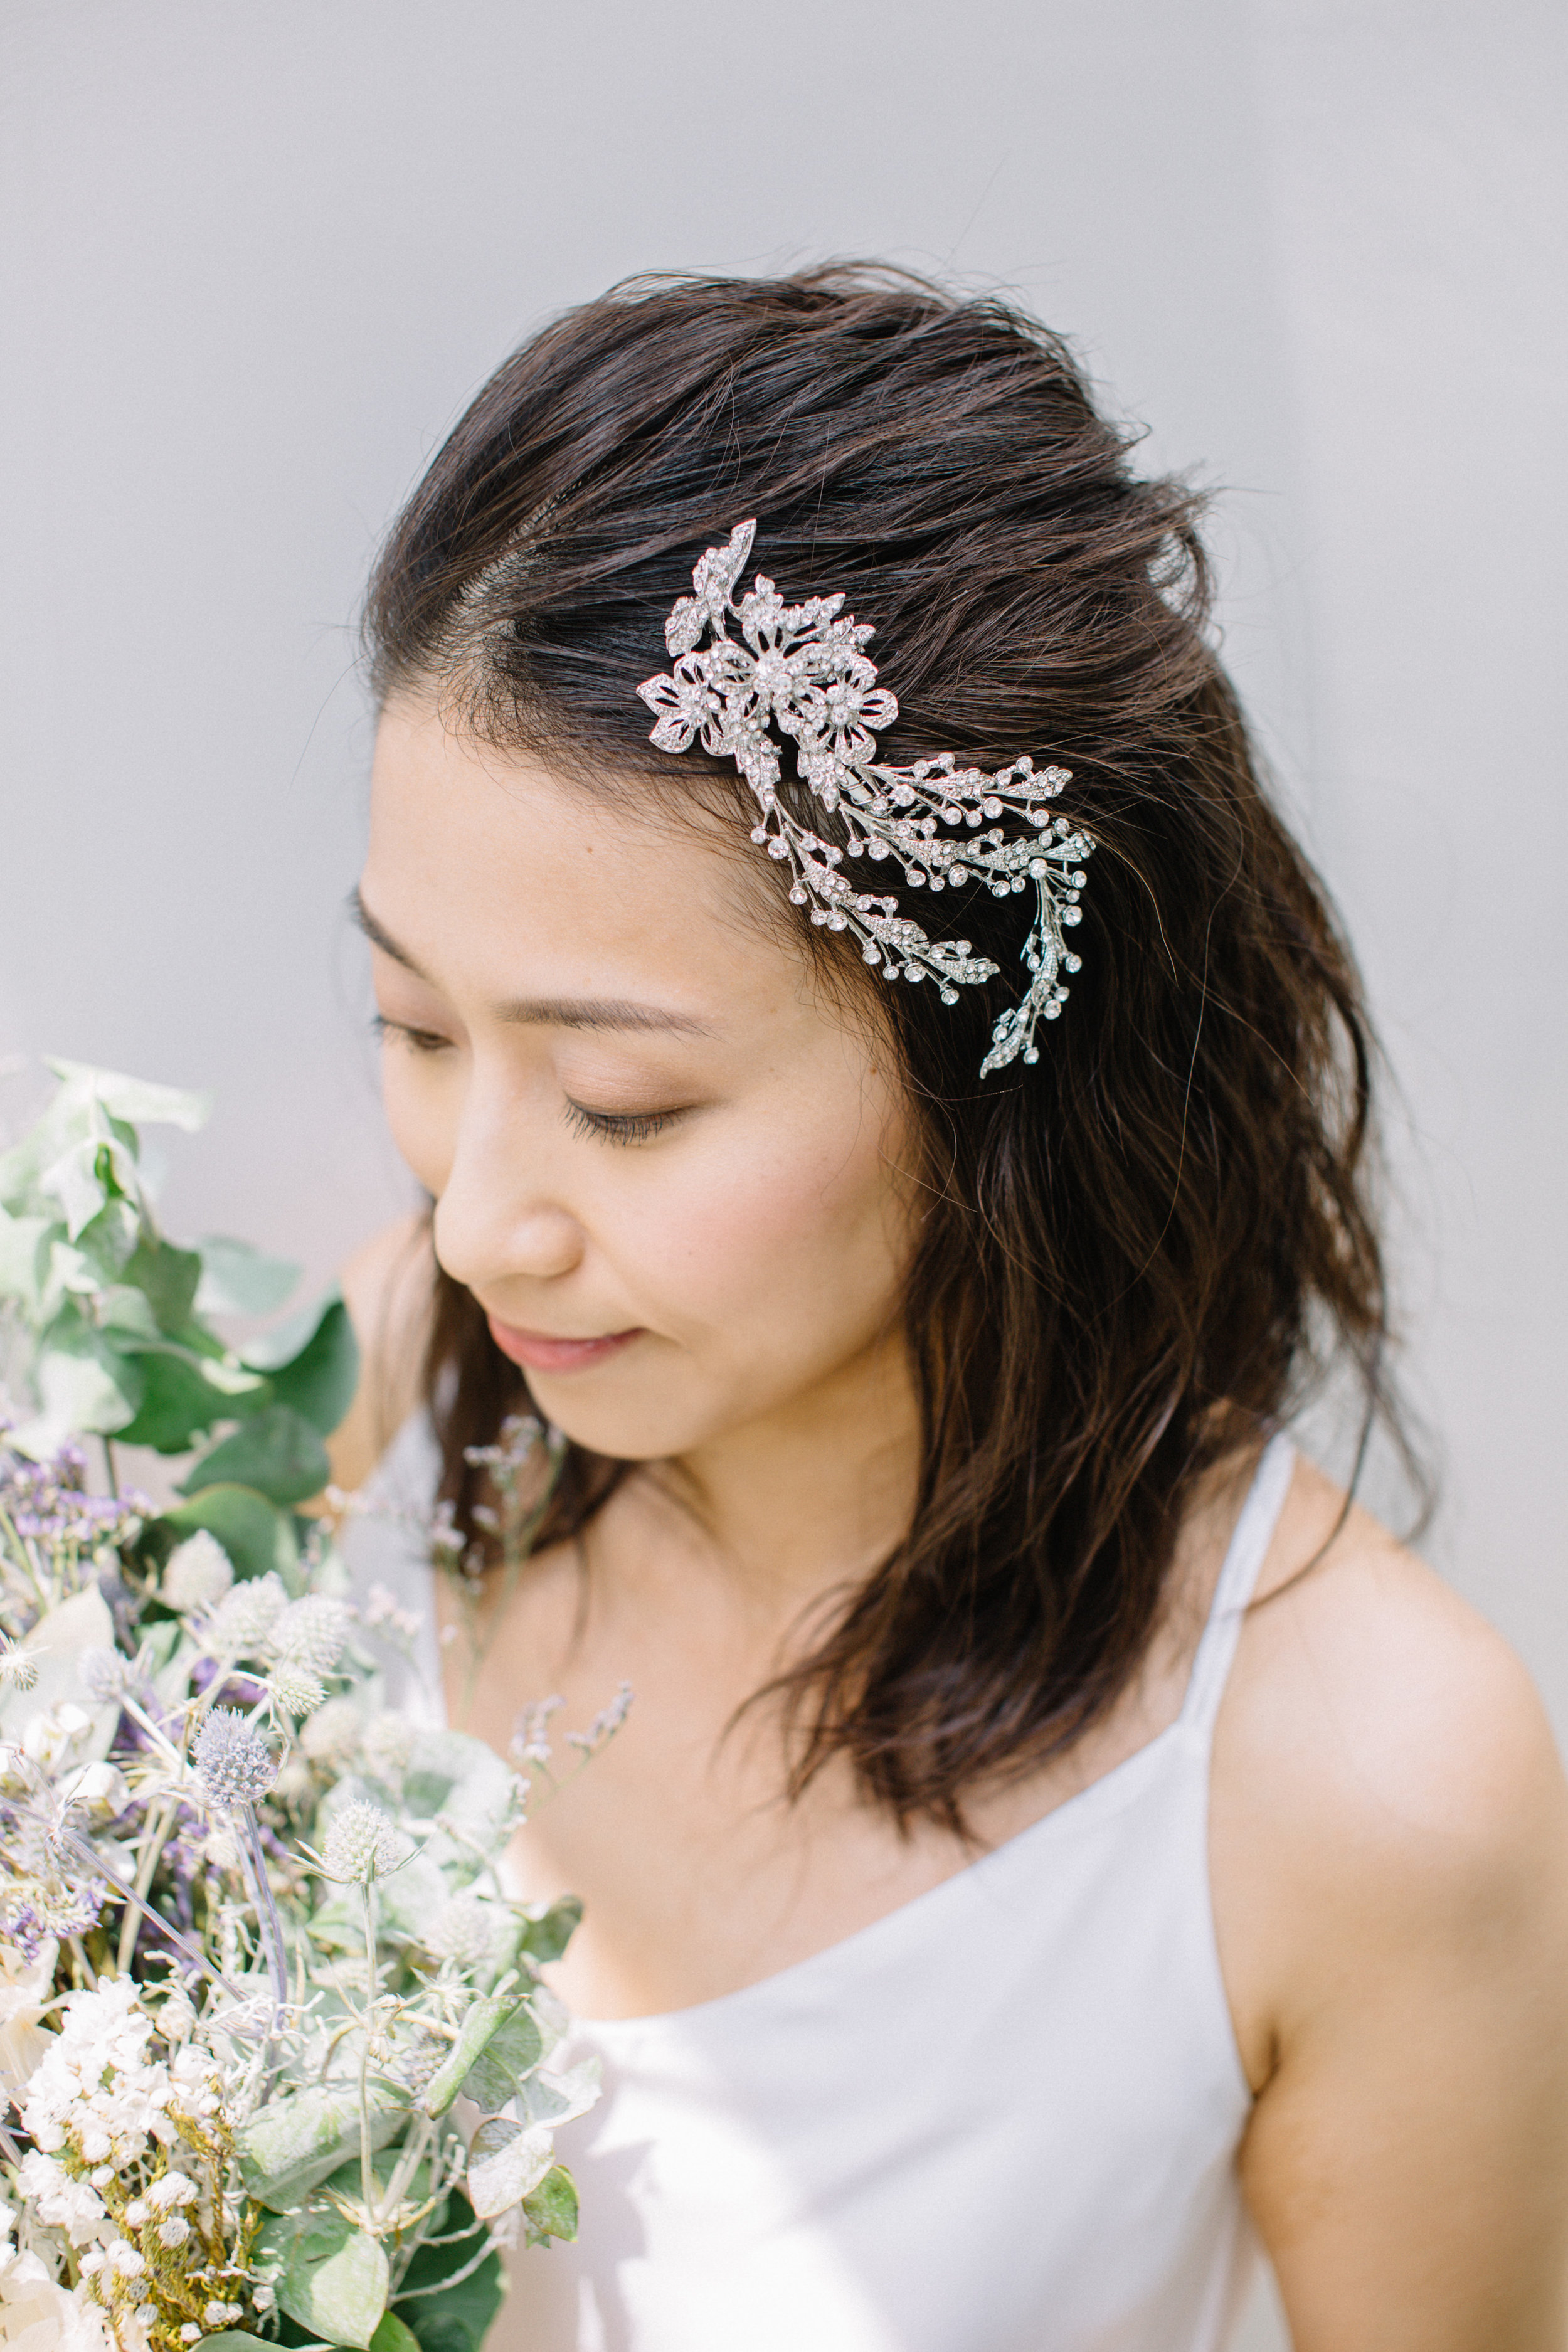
<point x="361" y="1844"/>
<point x="236" y="1765"/>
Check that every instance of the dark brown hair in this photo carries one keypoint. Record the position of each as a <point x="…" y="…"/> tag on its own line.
<point x="1138" y="1251"/>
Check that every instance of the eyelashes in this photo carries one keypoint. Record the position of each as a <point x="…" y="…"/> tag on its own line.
<point x="422" y="1041"/>
<point x="618" y="1127"/>
<point x="606" y="1126"/>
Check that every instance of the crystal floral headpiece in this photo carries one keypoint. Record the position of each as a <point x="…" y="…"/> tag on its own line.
<point x="804" y="668"/>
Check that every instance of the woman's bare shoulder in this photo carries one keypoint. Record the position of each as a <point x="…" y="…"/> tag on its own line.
<point x="1387" y="1789"/>
<point x="1370" y="1688"/>
<point x="1389" y="1848"/>
<point x="387" y="1286"/>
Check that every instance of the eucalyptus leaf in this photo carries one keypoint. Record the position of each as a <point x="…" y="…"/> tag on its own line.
<point x="511" y="2051"/>
<point x="239" y="1280"/>
<point x="22" y="1257"/>
<point x="278" y="1453"/>
<point x="288" y="2146"/>
<point x="169" y="1276"/>
<point x="457" y="2319"/>
<point x="320" y="1377"/>
<point x="506" y="2161"/>
<point x="136" y="1100"/>
<point x="391" y="2336"/>
<point x="255" y="1533"/>
<point x="86" y="1387"/>
<point x="549" y="1928"/>
<point x="557" y="2099"/>
<point x="335" y="2278"/>
<point x="552" y="2208"/>
<point x="179" y="1402"/>
<point x="482" y="2020"/>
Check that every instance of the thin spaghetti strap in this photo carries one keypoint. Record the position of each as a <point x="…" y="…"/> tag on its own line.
<point x="1237" y="1577"/>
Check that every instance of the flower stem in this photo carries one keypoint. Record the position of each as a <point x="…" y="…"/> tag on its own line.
<point x="253" y="1858"/>
<point x="372" y="1989"/>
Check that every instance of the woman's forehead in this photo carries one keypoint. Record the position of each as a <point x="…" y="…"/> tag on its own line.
<point x="489" y="862"/>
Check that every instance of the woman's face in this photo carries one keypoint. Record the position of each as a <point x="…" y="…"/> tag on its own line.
<point x="665" y="1166"/>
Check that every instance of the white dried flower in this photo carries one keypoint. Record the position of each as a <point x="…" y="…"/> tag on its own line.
<point x="241" y="1624"/>
<point x="222" y="2314"/>
<point x="236" y="1764"/>
<point x="309" y="1633"/>
<point x="361" y="1843"/>
<point x="125" y="2258"/>
<point x="173" y="2188"/>
<point x="48" y="1735"/>
<point x="105" y="1674"/>
<point x="463" y="1931"/>
<point x="332" y="1737"/>
<point x="190" y="2333"/>
<point x="59" y="2202"/>
<point x="388" y="1743"/>
<point x="136" y="2211"/>
<point x="18" y="1668"/>
<point x="174" y="2230"/>
<point x="296" y="1689"/>
<point x="197" y="1574"/>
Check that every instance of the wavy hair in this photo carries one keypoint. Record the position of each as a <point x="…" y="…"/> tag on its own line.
<point x="1140" y="1251"/>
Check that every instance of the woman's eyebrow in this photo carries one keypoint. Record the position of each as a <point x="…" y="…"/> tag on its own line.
<point x="543" y="1011"/>
<point x="380" y="937"/>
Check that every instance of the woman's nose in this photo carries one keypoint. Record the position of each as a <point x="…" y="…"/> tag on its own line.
<point x="494" y="1221"/>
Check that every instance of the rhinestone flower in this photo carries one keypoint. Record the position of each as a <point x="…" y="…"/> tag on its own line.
<point x="803" y="669"/>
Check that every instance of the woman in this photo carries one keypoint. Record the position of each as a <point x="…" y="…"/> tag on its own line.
<point x="1054" y="1825"/>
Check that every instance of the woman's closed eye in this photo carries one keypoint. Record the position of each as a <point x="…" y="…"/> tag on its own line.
<point x="620" y="1126"/>
<point x="422" y="1041"/>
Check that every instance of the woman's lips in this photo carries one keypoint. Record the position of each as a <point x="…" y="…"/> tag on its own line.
<point x="537" y="1352"/>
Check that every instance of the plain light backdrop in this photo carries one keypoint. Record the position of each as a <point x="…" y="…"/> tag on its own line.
<point x="255" y="259"/>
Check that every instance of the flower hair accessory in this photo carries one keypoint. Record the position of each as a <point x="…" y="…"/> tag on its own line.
<point x="804" y="669"/>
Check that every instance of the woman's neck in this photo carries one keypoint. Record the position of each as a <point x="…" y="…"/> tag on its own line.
<point x="797" y="1503"/>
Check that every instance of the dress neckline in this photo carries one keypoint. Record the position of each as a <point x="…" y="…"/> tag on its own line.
<point x="1119" y="1786"/>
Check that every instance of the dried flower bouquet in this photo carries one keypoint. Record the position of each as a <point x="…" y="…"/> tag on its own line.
<point x="276" y="2059"/>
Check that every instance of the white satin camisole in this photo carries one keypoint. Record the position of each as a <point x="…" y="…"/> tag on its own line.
<point x="1002" y="2118"/>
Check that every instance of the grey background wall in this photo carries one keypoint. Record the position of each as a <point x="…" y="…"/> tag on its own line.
<point x="253" y="260"/>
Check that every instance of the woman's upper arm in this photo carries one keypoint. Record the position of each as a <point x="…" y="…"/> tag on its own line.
<point x="387" y="1288"/>
<point x="1407" y="1819"/>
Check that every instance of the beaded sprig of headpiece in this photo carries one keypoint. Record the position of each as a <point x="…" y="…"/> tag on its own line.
<point x="803" y="669"/>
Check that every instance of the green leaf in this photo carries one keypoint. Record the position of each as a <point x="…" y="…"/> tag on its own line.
<point x="233" y="2339"/>
<point x="23" y="1259"/>
<point x="111" y="1241"/>
<point x="455" y="2320"/>
<point x="506" y="2056"/>
<point x="278" y="1453"/>
<point x="551" y="1927"/>
<point x="169" y="1277"/>
<point x="507" y="2161"/>
<point x="239" y="1280"/>
<point x="135" y="1100"/>
<point x="84" y="1385"/>
<point x="255" y="1533"/>
<point x="319" y="1378"/>
<point x="296" y="2141"/>
<point x="180" y="1399"/>
<point x="481" y="2020"/>
<point x="552" y="2208"/>
<point x="392" y="2336"/>
<point x="335" y="2278"/>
